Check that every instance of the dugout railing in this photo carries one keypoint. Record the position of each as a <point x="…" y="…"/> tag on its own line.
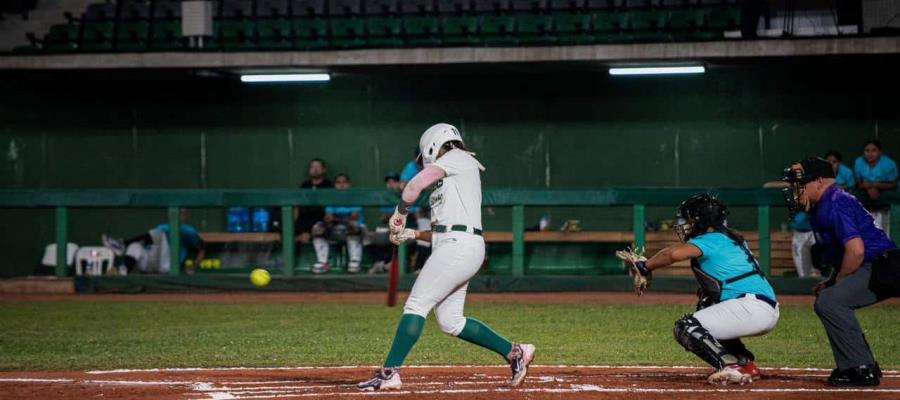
<point x="172" y="200"/>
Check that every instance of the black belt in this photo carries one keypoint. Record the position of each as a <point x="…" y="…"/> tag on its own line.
<point x="455" y="228"/>
<point x="765" y="299"/>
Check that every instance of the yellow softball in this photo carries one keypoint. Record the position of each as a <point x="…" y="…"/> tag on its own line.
<point x="260" y="277"/>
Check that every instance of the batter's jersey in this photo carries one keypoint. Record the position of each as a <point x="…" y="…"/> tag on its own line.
<point x="456" y="199"/>
<point x="723" y="259"/>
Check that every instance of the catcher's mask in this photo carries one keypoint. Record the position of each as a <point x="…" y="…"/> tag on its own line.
<point x="797" y="176"/>
<point x="697" y="214"/>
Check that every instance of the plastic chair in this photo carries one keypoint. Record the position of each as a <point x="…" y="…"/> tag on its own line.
<point x="49" y="259"/>
<point x="92" y="261"/>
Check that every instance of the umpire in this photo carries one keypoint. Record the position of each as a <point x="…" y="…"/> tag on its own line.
<point x="865" y="260"/>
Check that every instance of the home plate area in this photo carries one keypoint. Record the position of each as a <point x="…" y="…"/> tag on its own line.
<point x="431" y="382"/>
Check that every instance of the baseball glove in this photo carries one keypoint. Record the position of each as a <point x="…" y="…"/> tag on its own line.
<point x="634" y="260"/>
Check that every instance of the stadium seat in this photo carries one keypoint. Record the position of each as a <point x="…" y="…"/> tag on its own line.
<point x="422" y="31"/>
<point x="610" y="21"/>
<point x="573" y="28"/>
<point x="236" y="9"/>
<point x="597" y="5"/>
<point x="100" y="12"/>
<point x="723" y="18"/>
<point x="132" y="36"/>
<point x="342" y="8"/>
<point x="272" y="8"/>
<point x="275" y="33"/>
<point x="384" y="32"/>
<point x="417" y="6"/>
<point x="534" y="29"/>
<point x="97" y="35"/>
<point x="567" y="5"/>
<point x="347" y="32"/>
<point x="305" y="28"/>
<point x="307" y="8"/>
<point x="459" y="30"/>
<point x="62" y="38"/>
<point x="380" y="7"/>
<point x="530" y="5"/>
<point x="166" y="9"/>
<point x="235" y="34"/>
<point x="491" y="6"/>
<point x="684" y="19"/>
<point x="454" y="6"/>
<point x="498" y="29"/>
<point x="166" y="35"/>
<point x="648" y="20"/>
<point x="135" y="10"/>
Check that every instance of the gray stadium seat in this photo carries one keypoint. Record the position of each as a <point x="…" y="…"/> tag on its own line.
<point x="380" y="7"/>
<point x="491" y="5"/>
<point x="307" y="8"/>
<point x="237" y="9"/>
<point x="417" y="6"/>
<point x="344" y="7"/>
<point x="271" y="8"/>
<point x="166" y="9"/>
<point x="454" y="6"/>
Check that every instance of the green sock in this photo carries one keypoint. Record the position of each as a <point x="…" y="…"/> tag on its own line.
<point x="408" y="332"/>
<point x="476" y="332"/>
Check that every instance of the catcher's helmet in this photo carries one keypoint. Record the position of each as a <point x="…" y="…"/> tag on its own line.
<point x="699" y="213"/>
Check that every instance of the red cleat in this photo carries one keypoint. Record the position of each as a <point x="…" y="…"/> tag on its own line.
<point x="752" y="370"/>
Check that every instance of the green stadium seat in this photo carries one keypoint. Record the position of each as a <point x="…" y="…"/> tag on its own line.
<point x="610" y="21"/>
<point x="421" y="30"/>
<point x="534" y="28"/>
<point x="132" y="35"/>
<point x="648" y="20"/>
<point x="723" y="18"/>
<point x="64" y="33"/>
<point x="305" y="28"/>
<point x="346" y="27"/>
<point x="166" y="35"/>
<point x="685" y="19"/>
<point x="573" y="28"/>
<point x="384" y="32"/>
<point x="274" y="34"/>
<point x="459" y="30"/>
<point x="97" y="36"/>
<point x="498" y="29"/>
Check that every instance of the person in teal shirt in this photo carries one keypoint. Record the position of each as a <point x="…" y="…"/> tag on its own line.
<point x="875" y="173"/>
<point x="843" y="175"/>
<point x="341" y="224"/>
<point x="145" y="253"/>
<point x="736" y="299"/>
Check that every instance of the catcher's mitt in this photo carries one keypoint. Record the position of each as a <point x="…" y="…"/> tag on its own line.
<point x="634" y="260"/>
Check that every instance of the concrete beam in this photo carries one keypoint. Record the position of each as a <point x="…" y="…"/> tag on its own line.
<point x="608" y="53"/>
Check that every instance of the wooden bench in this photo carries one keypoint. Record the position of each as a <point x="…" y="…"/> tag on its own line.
<point x="781" y="260"/>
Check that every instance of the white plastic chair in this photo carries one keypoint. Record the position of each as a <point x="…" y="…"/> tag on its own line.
<point x="90" y="260"/>
<point x="49" y="259"/>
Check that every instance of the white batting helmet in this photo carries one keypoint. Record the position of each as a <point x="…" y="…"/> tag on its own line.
<point x="435" y="137"/>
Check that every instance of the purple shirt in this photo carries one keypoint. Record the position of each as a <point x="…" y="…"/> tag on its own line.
<point x="838" y="218"/>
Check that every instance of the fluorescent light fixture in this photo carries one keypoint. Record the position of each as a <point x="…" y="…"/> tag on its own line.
<point x="634" y="71"/>
<point x="269" y="78"/>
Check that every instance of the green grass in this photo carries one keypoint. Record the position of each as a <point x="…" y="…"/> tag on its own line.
<point x="102" y="335"/>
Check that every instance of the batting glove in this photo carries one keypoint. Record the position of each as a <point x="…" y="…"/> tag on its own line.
<point x="403" y="236"/>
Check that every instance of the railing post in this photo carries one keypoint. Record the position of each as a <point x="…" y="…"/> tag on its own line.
<point x="765" y="240"/>
<point x="895" y="222"/>
<point x="518" y="241"/>
<point x="402" y="259"/>
<point x="62" y="241"/>
<point x="174" y="241"/>
<point x="287" y="239"/>
<point x="640" y="228"/>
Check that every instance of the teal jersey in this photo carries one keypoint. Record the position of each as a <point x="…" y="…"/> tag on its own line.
<point x="845" y="177"/>
<point x="885" y="170"/>
<point x="344" y="212"/>
<point x="190" y="239"/>
<point x="723" y="259"/>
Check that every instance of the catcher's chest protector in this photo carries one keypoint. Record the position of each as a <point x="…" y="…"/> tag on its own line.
<point x="711" y="286"/>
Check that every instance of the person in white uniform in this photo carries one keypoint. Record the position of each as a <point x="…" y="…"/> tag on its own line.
<point x="457" y="255"/>
<point x="736" y="300"/>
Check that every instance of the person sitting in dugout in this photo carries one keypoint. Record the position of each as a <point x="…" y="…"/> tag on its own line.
<point x="736" y="300"/>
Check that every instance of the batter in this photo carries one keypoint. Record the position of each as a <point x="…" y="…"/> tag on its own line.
<point x="457" y="255"/>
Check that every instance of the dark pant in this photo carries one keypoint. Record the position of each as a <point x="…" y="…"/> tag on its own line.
<point x="836" y="307"/>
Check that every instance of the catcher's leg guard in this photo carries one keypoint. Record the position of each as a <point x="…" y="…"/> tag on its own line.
<point x="737" y="348"/>
<point x="696" y="339"/>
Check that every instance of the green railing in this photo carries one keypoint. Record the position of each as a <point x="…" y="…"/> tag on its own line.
<point x="517" y="199"/>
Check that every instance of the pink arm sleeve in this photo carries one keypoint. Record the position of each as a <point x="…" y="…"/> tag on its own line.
<point x="422" y="180"/>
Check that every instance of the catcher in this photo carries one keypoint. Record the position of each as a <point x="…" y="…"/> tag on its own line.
<point x="736" y="300"/>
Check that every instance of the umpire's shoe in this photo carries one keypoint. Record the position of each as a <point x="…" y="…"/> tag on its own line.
<point x="863" y="375"/>
<point x="384" y="379"/>
<point x="519" y="358"/>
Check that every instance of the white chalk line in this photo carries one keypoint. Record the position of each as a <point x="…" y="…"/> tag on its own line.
<point x="302" y="368"/>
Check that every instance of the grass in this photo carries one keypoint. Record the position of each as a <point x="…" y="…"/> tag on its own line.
<point x="44" y="336"/>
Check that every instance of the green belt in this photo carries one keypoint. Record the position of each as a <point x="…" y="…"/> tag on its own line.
<point x="456" y="228"/>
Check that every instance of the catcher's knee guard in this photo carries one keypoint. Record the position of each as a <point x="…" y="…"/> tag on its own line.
<point x="696" y="339"/>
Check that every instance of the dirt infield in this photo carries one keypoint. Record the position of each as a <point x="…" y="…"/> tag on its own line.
<point x="378" y="297"/>
<point x="462" y="382"/>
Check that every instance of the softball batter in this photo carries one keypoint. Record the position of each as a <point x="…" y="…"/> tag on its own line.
<point x="736" y="300"/>
<point x="458" y="251"/>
